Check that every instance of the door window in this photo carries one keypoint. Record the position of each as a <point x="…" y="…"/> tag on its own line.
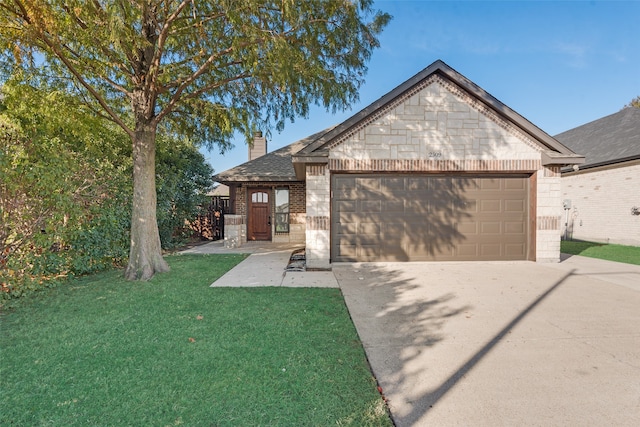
<point x="260" y="197"/>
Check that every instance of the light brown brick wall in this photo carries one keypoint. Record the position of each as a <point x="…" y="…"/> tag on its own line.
<point x="438" y="128"/>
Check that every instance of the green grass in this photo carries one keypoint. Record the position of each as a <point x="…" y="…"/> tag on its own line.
<point x="619" y="253"/>
<point x="100" y="351"/>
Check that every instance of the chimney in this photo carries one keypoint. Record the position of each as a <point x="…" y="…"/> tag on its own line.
<point x="258" y="147"/>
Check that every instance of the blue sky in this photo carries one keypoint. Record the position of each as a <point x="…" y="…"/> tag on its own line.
<point x="560" y="64"/>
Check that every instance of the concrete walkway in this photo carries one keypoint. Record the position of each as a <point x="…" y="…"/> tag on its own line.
<point x="266" y="266"/>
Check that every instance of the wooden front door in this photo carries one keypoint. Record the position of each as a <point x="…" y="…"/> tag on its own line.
<point x="259" y="224"/>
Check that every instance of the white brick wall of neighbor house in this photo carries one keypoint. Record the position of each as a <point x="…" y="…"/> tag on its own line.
<point x="601" y="205"/>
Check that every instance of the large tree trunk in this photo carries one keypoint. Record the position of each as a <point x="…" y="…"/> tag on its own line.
<point x="145" y="255"/>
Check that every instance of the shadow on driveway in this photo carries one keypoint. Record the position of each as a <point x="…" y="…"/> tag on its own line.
<point x="497" y="343"/>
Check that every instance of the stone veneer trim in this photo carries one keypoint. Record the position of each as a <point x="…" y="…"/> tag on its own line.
<point x="548" y="223"/>
<point x="428" y="165"/>
<point x="316" y="170"/>
<point x="230" y="219"/>
<point x="317" y="222"/>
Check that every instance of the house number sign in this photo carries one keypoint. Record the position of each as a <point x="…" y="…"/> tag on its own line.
<point x="435" y="154"/>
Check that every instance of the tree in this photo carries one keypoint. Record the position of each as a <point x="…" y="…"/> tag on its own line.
<point x="183" y="181"/>
<point x="635" y="102"/>
<point x="202" y="69"/>
<point x="46" y="193"/>
<point x="61" y="197"/>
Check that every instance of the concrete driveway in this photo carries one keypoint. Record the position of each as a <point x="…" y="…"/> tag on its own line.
<point x="501" y="344"/>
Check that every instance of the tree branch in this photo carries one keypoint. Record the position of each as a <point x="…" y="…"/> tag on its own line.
<point x="87" y="86"/>
<point x="55" y="49"/>
<point x="175" y="99"/>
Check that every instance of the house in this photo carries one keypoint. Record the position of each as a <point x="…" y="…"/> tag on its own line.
<point x="435" y="170"/>
<point x="602" y="196"/>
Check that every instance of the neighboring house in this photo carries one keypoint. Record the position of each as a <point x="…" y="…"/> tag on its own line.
<point x="219" y="191"/>
<point x="436" y="169"/>
<point x="602" y="197"/>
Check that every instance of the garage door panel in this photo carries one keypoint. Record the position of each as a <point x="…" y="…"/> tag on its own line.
<point x="368" y="184"/>
<point x="417" y="184"/>
<point x="490" y="184"/>
<point x="369" y="252"/>
<point x="469" y="206"/>
<point x="390" y="186"/>
<point x="344" y="182"/>
<point x="342" y="206"/>
<point x="468" y="251"/>
<point x="395" y="206"/>
<point x="443" y="184"/>
<point x="394" y="227"/>
<point x="369" y="228"/>
<point x="490" y="206"/>
<point x="515" y="251"/>
<point x="514" y="227"/>
<point x="468" y="228"/>
<point x="347" y="252"/>
<point x="494" y="228"/>
<point x="367" y="206"/>
<point x="368" y="240"/>
<point x="511" y="205"/>
<point x="491" y="250"/>
<point x="426" y="218"/>
<point x="346" y="229"/>
<point x="515" y="184"/>
<point x="416" y="208"/>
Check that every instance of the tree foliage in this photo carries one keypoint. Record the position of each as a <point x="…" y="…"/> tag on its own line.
<point x="204" y="69"/>
<point x="54" y="187"/>
<point x="48" y="194"/>
<point x="184" y="178"/>
<point x="635" y="102"/>
<point x="65" y="182"/>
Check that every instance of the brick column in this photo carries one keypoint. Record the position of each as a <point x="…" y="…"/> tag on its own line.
<point x="549" y="215"/>
<point x="318" y="204"/>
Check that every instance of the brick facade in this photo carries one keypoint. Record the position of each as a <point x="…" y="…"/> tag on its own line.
<point x="436" y="128"/>
<point x="601" y="202"/>
<point x="297" y="211"/>
<point x="318" y="237"/>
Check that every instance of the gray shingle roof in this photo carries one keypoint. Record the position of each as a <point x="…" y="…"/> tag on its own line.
<point x="611" y="139"/>
<point x="279" y="165"/>
<point x="273" y="166"/>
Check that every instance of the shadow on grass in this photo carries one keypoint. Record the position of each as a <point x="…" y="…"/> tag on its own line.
<point x="577" y="247"/>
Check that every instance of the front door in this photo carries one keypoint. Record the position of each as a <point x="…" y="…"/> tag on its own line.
<point x="259" y="224"/>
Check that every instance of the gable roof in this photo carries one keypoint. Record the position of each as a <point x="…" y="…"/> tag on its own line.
<point x="288" y="163"/>
<point x="553" y="151"/>
<point x="273" y="166"/>
<point x="611" y="139"/>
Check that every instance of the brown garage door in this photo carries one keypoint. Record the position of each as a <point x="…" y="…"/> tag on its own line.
<point x="428" y="218"/>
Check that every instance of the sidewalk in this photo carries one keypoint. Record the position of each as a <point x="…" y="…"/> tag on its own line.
<point x="618" y="273"/>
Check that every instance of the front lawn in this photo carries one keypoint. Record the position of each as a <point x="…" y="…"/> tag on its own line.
<point x="173" y="351"/>
<point x="619" y="253"/>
